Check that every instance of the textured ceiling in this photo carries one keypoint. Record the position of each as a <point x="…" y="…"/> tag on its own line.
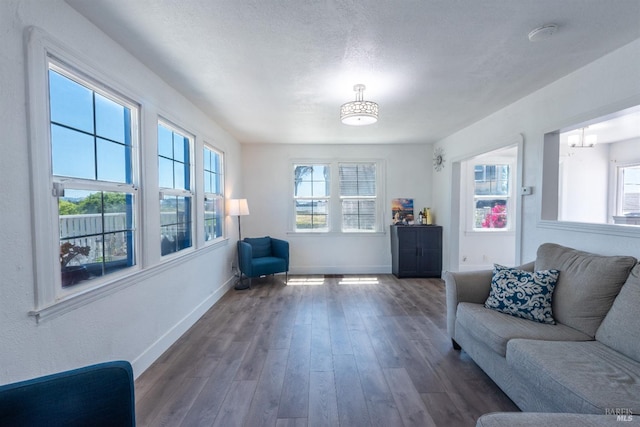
<point x="273" y="71"/>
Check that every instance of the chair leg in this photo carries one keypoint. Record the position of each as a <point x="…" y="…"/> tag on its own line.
<point x="286" y="277"/>
<point x="240" y="285"/>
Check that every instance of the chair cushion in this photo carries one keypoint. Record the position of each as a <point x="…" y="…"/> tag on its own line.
<point x="522" y="294"/>
<point x="587" y="285"/>
<point x="268" y="265"/>
<point x="260" y="246"/>
<point x="620" y="329"/>
<point x="495" y="329"/>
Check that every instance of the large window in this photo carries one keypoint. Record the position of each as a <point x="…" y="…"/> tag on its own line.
<point x="491" y="196"/>
<point x="311" y="194"/>
<point x="358" y="196"/>
<point x="174" y="172"/>
<point x="92" y="153"/>
<point x="356" y="207"/>
<point x="213" y="194"/>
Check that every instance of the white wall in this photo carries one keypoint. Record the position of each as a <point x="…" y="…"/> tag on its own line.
<point x="269" y="189"/>
<point x="136" y="323"/>
<point x="606" y="84"/>
<point x="584" y="184"/>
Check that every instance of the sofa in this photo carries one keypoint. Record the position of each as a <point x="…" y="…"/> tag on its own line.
<point x="586" y="361"/>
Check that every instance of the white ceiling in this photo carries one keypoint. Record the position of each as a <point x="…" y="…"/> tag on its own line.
<point x="277" y="71"/>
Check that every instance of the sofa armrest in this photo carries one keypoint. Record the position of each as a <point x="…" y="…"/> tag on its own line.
<point x="468" y="286"/>
<point x="97" y="395"/>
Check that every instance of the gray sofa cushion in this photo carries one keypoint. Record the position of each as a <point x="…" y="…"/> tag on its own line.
<point x="537" y="419"/>
<point x="585" y="377"/>
<point x="495" y="329"/>
<point x="587" y="285"/>
<point x="620" y="329"/>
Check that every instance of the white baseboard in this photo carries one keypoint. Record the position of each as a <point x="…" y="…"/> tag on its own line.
<point x="155" y="350"/>
<point x="326" y="269"/>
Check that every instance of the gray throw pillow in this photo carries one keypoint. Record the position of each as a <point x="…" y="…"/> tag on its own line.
<point x="587" y="285"/>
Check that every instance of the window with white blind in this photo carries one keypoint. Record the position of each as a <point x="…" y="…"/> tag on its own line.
<point x="358" y="196"/>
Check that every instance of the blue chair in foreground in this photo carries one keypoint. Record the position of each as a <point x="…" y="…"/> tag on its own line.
<point x="97" y="395"/>
<point x="262" y="256"/>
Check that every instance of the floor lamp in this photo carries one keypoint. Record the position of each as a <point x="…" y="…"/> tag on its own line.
<point x="239" y="207"/>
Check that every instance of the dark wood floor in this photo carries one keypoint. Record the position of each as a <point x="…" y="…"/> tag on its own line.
<point x="320" y="351"/>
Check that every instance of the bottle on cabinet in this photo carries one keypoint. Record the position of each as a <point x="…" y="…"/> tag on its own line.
<point x="428" y="219"/>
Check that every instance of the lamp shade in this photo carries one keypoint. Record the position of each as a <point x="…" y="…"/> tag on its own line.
<point x="238" y="207"/>
<point x="359" y="112"/>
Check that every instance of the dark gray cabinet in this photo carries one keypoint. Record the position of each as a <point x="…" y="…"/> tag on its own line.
<point x="416" y="250"/>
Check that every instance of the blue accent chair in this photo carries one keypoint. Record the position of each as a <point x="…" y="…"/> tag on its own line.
<point x="97" y="395"/>
<point x="261" y="256"/>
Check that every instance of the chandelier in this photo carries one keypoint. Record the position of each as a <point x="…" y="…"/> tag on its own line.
<point x="582" y="141"/>
<point x="359" y="112"/>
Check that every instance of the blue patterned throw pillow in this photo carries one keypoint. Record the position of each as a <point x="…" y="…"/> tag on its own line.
<point x="523" y="294"/>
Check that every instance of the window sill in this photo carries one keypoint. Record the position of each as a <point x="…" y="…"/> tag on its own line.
<point x="583" y="227"/>
<point x="89" y="295"/>
<point x="336" y="233"/>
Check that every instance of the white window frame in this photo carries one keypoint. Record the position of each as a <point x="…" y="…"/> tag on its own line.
<point x="335" y="202"/>
<point x="177" y="192"/>
<point x="50" y="297"/>
<point x="619" y="190"/>
<point x="326" y="198"/>
<point x="511" y="205"/>
<point x="214" y="196"/>
<point x="359" y="198"/>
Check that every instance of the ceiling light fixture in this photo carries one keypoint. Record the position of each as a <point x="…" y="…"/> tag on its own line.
<point x="542" y="33"/>
<point x="582" y="141"/>
<point x="359" y="112"/>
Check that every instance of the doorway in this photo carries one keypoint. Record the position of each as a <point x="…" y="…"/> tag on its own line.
<point x="486" y="209"/>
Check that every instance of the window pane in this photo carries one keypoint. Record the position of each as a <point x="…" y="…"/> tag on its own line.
<point x="96" y="234"/>
<point x="631" y="190"/>
<point x="165" y="173"/>
<point x="175" y="223"/>
<point x="168" y="211"/>
<point x="358" y="215"/>
<point x="213" y="219"/>
<point x="311" y="215"/>
<point x="165" y="142"/>
<point x="179" y="176"/>
<point x="358" y="179"/>
<point x="180" y="148"/>
<point x="113" y="161"/>
<point x="117" y="251"/>
<point x="491" y="180"/>
<point x="112" y="119"/>
<point x="311" y="181"/>
<point x="491" y="213"/>
<point x="72" y="153"/>
<point x="70" y="103"/>
<point x="208" y="182"/>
